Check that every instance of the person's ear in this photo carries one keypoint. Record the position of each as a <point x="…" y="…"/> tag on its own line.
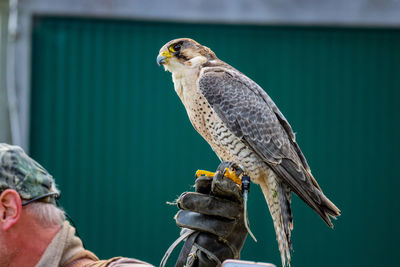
<point x="10" y="209"/>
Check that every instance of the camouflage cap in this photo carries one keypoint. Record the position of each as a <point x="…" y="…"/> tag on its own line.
<point x="21" y="173"/>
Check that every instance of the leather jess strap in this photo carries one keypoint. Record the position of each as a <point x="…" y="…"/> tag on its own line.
<point x="186" y="249"/>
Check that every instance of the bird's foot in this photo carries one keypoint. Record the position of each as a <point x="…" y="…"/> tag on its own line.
<point x="229" y="169"/>
<point x="231" y="174"/>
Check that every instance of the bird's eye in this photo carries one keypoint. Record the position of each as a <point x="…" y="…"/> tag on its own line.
<point x="175" y="48"/>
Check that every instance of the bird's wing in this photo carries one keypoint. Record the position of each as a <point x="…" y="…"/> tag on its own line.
<point x="250" y="114"/>
<point x="285" y="124"/>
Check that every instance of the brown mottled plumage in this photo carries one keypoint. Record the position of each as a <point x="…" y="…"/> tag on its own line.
<point x="242" y="124"/>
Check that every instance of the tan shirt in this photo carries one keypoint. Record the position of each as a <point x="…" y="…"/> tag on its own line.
<point x="66" y="250"/>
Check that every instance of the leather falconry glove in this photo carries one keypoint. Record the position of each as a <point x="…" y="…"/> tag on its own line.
<point x="215" y="212"/>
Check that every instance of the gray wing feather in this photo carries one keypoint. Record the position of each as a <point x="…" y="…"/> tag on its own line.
<point x="250" y="114"/>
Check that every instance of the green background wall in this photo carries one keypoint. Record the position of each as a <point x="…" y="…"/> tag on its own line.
<point x="106" y="122"/>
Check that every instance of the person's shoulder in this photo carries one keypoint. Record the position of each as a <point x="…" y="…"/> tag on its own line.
<point x="119" y="262"/>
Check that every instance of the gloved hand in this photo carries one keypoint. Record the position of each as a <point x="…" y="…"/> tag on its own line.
<point x="215" y="211"/>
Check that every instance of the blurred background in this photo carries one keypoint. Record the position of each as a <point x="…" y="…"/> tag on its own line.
<point x="81" y="91"/>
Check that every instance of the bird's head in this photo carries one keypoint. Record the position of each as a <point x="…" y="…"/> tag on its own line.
<point x="183" y="53"/>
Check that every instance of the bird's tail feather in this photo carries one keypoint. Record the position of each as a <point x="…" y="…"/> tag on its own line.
<point x="271" y="191"/>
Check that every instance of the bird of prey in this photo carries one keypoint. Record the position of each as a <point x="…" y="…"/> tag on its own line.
<point x="243" y="125"/>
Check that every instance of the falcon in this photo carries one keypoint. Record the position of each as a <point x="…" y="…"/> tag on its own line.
<point x="243" y="125"/>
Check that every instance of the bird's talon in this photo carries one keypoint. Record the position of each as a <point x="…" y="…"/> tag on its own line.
<point x="231" y="174"/>
<point x="204" y="173"/>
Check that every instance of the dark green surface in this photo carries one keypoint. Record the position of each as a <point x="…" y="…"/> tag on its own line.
<point x="106" y="122"/>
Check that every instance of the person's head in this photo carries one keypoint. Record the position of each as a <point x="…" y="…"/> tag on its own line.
<point x="27" y="199"/>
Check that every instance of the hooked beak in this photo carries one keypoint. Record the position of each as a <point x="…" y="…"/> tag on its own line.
<point x="163" y="58"/>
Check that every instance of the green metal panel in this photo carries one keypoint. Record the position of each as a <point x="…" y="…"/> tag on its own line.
<point x="106" y="122"/>
<point x="5" y="134"/>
